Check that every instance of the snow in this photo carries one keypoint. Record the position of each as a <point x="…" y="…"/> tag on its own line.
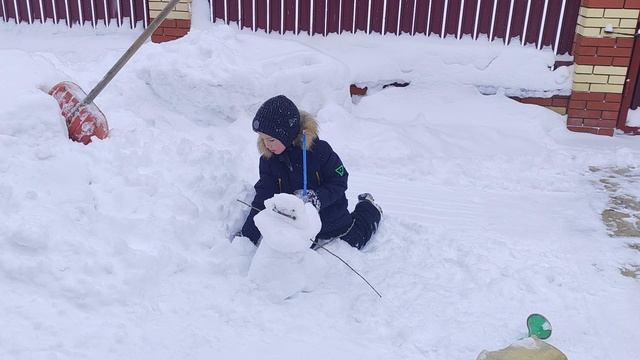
<point x="633" y="118"/>
<point x="528" y="343"/>
<point x="120" y="249"/>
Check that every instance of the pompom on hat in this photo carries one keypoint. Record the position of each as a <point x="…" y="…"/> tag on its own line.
<point x="279" y="118"/>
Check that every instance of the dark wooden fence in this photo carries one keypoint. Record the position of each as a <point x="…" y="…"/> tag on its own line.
<point x="635" y="102"/>
<point x="544" y="23"/>
<point x="75" y="12"/>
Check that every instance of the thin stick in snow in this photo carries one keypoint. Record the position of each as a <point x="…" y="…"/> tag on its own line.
<point x="349" y="266"/>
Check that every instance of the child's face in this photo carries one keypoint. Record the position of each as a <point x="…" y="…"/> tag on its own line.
<point x="274" y="145"/>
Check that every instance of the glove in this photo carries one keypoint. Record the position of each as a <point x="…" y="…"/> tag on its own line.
<point x="310" y="197"/>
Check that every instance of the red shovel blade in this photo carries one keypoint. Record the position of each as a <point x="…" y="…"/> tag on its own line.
<point x="84" y="121"/>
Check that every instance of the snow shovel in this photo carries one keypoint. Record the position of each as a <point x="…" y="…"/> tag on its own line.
<point x="81" y="115"/>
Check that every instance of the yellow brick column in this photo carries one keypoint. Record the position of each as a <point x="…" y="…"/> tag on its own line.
<point x="176" y="25"/>
<point x="602" y="53"/>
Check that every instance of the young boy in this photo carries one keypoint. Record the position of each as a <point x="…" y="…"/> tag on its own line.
<point x="280" y="126"/>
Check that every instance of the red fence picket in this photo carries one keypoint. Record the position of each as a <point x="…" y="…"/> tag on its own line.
<point x="635" y="102"/>
<point x="76" y="12"/>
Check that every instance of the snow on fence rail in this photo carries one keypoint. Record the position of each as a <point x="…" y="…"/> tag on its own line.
<point x="540" y="22"/>
<point x="75" y="12"/>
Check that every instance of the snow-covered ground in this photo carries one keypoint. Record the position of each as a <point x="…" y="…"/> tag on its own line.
<point x="119" y="249"/>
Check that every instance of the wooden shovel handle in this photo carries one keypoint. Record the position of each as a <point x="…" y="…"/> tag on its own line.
<point x="129" y="53"/>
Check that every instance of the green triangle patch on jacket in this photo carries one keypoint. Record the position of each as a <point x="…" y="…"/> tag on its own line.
<point x="340" y="170"/>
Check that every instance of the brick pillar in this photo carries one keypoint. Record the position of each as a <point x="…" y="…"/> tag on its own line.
<point x="602" y="52"/>
<point x="176" y="25"/>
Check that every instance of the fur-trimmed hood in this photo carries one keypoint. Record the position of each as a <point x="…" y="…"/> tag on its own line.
<point x="307" y="123"/>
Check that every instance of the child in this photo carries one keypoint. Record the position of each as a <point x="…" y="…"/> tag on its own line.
<point x="280" y="127"/>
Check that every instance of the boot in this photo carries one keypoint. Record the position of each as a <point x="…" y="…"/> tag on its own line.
<point x="368" y="197"/>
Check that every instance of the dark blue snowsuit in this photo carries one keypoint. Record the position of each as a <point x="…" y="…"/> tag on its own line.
<point x="326" y="175"/>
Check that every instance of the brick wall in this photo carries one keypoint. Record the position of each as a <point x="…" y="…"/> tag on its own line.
<point x="176" y="25"/>
<point x="602" y="53"/>
<point x="557" y="103"/>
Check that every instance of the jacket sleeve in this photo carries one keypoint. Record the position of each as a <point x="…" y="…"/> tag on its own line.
<point x="265" y="189"/>
<point x="334" y="176"/>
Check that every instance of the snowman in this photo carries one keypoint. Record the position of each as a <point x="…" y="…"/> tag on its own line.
<point x="284" y="263"/>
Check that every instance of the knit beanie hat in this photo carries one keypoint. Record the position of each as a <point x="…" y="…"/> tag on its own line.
<point x="279" y="118"/>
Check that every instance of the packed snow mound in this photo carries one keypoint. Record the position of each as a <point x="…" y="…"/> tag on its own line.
<point x="224" y="81"/>
<point x="28" y="100"/>
<point x="428" y="60"/>
<point x="287" y="224"/>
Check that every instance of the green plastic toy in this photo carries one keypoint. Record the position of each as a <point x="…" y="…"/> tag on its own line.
<point x="538" y="326"/>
